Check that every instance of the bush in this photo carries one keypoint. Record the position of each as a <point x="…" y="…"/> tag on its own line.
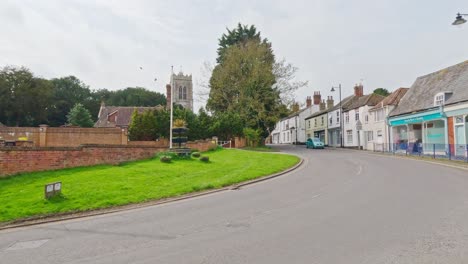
<point x="205" y="158"/>
<point x="196" y="154"/>
<point x="165" y="159"/>
<point x="194" y="150"/>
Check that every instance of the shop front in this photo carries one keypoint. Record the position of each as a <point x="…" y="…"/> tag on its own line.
<point x="424" y="132"/>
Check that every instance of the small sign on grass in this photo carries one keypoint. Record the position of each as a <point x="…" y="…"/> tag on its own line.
<point x="52" y="189"/>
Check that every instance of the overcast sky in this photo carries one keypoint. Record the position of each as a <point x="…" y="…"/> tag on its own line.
<point x="104" y="43"/>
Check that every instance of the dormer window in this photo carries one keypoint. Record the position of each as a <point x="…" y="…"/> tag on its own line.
<point x="439" y="99"/>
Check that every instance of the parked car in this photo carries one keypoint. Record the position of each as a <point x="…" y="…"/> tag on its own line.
<point x="314" y="143"/>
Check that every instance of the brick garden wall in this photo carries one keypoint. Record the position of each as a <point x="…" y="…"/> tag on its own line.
<point x="19" y="160"/>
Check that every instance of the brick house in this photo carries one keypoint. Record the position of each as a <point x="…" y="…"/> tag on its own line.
<point x="119" y="116"/>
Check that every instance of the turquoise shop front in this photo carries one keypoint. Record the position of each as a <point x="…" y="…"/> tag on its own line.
<point x="420" y="132"/>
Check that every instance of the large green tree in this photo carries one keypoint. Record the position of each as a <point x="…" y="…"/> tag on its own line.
<point x="249" y="81"/>
<point x="24" y="99"/>
<point x="67" y="92"/>
<point x="240" y="34"/>
<point x="244" y="84"/>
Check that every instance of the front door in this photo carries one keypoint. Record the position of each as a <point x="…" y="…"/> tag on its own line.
<point x="460" y="144"/>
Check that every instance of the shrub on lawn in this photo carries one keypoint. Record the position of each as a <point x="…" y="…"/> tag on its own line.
<point x="196" y="154"/>
<point x="165" y="159"/>
<point x="205" y="158"/>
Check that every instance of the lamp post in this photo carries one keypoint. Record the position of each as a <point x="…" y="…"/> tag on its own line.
<point x="172" y="106"/>
<point x="459" y="19"/>
<point x="341" y="114"/>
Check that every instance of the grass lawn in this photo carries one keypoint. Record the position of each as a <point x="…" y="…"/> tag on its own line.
<point x="88" y="188"/>
<point x="261" y="148"/>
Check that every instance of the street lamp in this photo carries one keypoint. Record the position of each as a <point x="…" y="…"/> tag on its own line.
<point x="459" y="19"/>
<point x="341" y="115"/>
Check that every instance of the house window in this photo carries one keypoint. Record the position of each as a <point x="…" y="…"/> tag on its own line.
<point x="366" y="119"/>
<point x="459" y="120"/>
<point x="370" y="135"/>
<point x="356" y="116"/>
<point x="322" y="120"/>
<point x="308" y="123"/>
<point x="315" y="122"/>
<point x="439" y="99"/>
<point x="338" y="117"/>
<point x="347" y="117"/>
<point x="379" y="133"/>
<point x="349" y="136"/>
<point x="379" y="115"/>
<point x="331" y="120"/>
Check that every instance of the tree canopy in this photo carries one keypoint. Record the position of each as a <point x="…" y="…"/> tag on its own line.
<point x="249" y="81"/>
<point x="382" y="91"/>
<point x="27" y="100"/>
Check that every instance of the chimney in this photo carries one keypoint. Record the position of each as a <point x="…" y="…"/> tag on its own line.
<point x="330" y="102"/>
<point x="322" y="105"/>
<point x="317" y="98"/>
<point x="295" y="107"/>
<point x="308" y="101"/>
<point x="358" y="90"/>
<point x="168" y="96"/>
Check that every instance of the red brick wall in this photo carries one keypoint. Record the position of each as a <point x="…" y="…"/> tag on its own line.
<point x="17" y="160"/>
<point x="201" y="145"/>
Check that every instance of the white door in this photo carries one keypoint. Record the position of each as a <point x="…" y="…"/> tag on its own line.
<point x="460" y="144"/>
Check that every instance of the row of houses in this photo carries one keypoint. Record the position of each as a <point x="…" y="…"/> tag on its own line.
<point x="431" y="115"/>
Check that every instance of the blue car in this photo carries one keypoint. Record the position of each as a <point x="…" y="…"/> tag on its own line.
<point x="314" y="143"/>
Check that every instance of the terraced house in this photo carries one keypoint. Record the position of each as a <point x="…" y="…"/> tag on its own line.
<point x="317" y="123"/>
<point x="356" y="117"/>
<point x="432" y="117"/>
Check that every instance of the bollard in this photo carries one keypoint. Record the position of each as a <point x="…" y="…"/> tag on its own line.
<point x="433" y="151"/>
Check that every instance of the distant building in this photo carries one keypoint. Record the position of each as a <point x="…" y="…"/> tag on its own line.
<point x="183" y="91"/>
<point x="376" y="127"/>
<point x="291" y="129"/>
<point x="119" y="116"/>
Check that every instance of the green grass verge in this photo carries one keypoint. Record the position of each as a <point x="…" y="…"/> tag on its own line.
<point x="88" y="188"/>
<point x="261" y="148"/>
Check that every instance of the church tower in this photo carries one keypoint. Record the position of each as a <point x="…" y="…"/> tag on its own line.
<point x="183" y="91"/>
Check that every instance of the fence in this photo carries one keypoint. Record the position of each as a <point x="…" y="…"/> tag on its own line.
<point x="435" y="151"/>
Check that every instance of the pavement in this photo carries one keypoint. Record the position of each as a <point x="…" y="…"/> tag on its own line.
<point x="339" y="206"/>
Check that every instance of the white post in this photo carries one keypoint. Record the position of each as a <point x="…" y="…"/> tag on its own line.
<point x="172" y="106"/>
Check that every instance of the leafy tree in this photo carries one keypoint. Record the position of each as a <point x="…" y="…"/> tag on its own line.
<point x="67" y="91"/>
<point x="382" y="91"/>
<point x="137" y="96"/>
<point x="253" y="136"/>
<point x="143" y="126"/>
<point x="241" y="34"/>
<point x="24" y="98"/>
<point x="80" y="116"/>
<point x="227" y="125"/>
<point x="249" y="81"/>
<point x="244" y="84"/>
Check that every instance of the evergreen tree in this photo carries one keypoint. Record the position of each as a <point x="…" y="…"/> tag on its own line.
<point x="80" y="116"/>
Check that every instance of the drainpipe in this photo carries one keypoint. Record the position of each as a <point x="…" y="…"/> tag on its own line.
<point x="442" y="113"/>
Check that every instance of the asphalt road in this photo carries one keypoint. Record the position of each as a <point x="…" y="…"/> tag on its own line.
<point x="338" y="207"/>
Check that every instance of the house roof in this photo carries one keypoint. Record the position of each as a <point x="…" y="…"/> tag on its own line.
<point x="295" y="114"/>
<point x="124" y="115"/>
<point x="344" y="102"/>
<point x="369" y="99"/>
<point x="393" y="99"/>
<point x="420" y="96"/>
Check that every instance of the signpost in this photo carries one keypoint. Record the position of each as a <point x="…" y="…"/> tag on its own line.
<point x="52" y="189"/>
